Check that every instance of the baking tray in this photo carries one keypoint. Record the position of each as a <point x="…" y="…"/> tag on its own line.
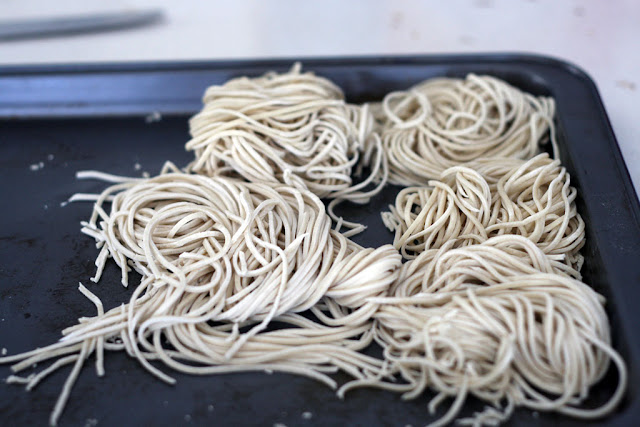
<point x="56" y="120"/>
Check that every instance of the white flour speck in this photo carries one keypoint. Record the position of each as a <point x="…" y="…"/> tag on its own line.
<point x="307" y="415"/>
<point x="153" y="117"/>
<point x="50" y="157"/>
<point x="91" y="422"/>
<point x="210" y="408"/>
<point x="187" y="418"/>
<point x="4" y="351"/>
<point x="145" y="174"/>
<point x="63" y="204"/>
<point x="279" y="425"/>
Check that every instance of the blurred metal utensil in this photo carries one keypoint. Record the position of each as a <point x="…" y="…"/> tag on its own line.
<point x="47" y="27"/>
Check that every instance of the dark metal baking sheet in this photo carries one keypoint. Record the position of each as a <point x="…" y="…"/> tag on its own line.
<point x="70" y="118"/>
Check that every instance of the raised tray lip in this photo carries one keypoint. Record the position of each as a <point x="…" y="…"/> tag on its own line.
<point x="149" y="66"/>
<point x="38" y="70"/>
<point x="164" y="65"/>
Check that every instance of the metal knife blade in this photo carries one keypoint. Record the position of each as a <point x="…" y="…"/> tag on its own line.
<point x="47" y="27"/>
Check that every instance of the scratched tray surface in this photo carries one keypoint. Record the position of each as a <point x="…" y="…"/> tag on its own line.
<point x="55" y="121"/>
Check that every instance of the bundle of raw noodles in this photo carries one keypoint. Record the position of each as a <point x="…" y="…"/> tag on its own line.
<point x="471" y="203"/>
<point x="217" y="255"/>
<point x="291" y="126"/>
<point x="444" y="122"/>
<point x="501" y="321"/>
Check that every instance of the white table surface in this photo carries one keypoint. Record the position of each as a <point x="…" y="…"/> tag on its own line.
<point x="602" y="37"/>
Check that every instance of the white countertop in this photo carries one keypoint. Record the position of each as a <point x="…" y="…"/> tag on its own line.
<point x="602" y="37"/>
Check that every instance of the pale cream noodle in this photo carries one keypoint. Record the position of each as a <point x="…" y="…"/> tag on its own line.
<point x="469" y="204"/>
<point x="444" y="122"/>
<point x="495" y="321"/>
<point x="220" y="259"/>
<point x="289" y="127"/>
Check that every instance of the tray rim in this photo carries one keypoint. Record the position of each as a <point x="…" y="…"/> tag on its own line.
<point x="151" y="65"/>
<point x="23" y="71"/>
